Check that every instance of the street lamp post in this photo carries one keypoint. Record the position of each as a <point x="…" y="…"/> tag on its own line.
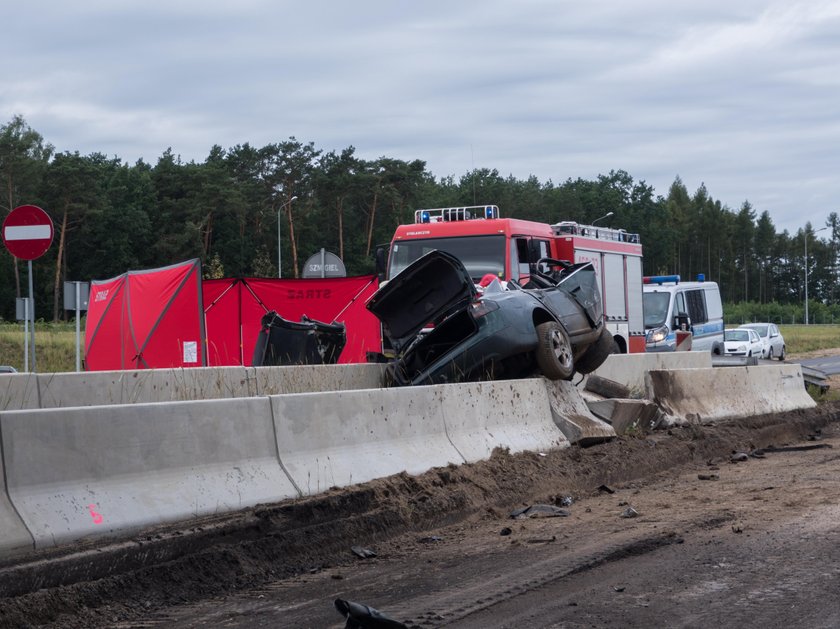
<point x="607" y="215"/>
<point x="279" y="223"/>
<point x="807" y="322"/>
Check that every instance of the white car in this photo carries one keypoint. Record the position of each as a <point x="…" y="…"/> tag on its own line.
<point x="742" y="342"/>
<point x="773" y="343"/>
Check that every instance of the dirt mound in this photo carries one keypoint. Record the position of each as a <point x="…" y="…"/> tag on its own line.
<point x="100" y="585"/>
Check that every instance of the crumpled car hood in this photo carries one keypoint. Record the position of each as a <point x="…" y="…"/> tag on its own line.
<point x="425" y="291"/>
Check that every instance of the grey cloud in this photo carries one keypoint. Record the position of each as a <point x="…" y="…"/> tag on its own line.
<point x="741" y="96"/>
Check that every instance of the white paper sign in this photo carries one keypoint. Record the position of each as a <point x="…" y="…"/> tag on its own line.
<point x="190" y="352"/>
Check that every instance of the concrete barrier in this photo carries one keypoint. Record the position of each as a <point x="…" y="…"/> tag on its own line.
<point x="627" y="415"/>
<point x="630" y="369"/>
<point x="572" y="415"/>
<point x="95" y="388"/>
<point x="18" y="391"/>
<point x="14" y="537"/>
<point x="316" y="378"/>
<point x="107" y="470"/>
<point x="709" y="395"/>
<point x="512" y="414"/>
<point x="336" y="439"/>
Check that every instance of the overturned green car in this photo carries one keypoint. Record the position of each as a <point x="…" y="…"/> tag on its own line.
<point x="445" y="329"/>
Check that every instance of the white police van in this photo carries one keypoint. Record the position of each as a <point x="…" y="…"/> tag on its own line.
<point x="670" y="305"/>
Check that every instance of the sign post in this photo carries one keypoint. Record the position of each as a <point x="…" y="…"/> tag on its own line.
<point x="28" y="234"/>
<point x="76" y="296"/>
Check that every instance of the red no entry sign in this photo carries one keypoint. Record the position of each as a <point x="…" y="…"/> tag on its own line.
<point x="27" y="232"/>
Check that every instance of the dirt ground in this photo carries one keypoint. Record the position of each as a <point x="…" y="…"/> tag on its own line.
<point x="756" y="539"/>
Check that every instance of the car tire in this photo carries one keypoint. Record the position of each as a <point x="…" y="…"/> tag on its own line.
<point x="782" y="354"/>
<point x="770" y="354"/>
<point x="597" y="353"/>
<point x="554" y="354"/>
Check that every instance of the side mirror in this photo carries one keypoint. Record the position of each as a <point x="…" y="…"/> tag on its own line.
<point x="682" y="321"/>
<point x="381" y="258"/>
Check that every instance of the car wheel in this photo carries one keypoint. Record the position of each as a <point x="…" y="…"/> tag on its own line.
<point x="597" y="353"/>
<point x="782" y="354"/>
<point x="770" y="354"/>
<point x="554" y="351"/>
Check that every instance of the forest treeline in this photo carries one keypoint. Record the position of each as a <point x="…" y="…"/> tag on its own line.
<point x="112" y="216"/>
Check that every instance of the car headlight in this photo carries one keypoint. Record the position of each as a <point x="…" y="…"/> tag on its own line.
<point x="742" y="348"/>
<point x="657" y="335"/>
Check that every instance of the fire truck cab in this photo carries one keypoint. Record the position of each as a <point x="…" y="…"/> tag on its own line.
<point x="509" y="248"/>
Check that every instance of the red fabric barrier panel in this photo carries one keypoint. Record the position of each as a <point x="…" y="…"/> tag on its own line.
<point x="169" y="317"/>
<point x="104" y="325"/>
<point x="233" y="309"/>
<point x="147" y="319"/>
<point x="222" y="321"/>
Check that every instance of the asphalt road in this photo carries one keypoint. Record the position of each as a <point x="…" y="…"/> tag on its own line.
<point x="829" y="365"/>
<point x="748" y="544"/>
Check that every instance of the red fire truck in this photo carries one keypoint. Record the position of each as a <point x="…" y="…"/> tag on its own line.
<point x="510" y="247"/>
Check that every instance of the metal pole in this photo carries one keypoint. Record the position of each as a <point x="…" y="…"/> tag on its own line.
<point x="32" y="312"/>
<point x="279" y="211"/>
<point x="279" y="258"/>
<point x="806" y="277"/>
<point x="323" y="263"/>
<point x="78" y="352"/>
<point x="807" y="322"/>
<point x="26" y="335"/>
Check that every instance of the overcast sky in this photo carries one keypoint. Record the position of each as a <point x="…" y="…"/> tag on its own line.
<point x="743" y="95"/>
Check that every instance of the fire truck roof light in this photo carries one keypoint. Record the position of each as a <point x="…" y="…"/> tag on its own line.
<point x="447" y="214"/>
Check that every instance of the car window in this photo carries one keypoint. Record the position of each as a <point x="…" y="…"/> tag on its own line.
<point x="696" y="300"/>
<point x="737" y="335"/>
<point x="761" y="330"/>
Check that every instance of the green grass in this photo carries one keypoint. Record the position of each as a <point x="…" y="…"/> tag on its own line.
<point x="808" y="338"/>
<point x="55" y="346"/>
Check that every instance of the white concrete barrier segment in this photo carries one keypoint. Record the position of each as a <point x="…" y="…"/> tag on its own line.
<point x="336" y="439"/>
<point x="108" y="470"/>
<point x="141" y="386"/>
<point x="14" y="537"/>
<point x="630" y="369"/>
<point x="18" y="391"/>
<point x="94" y="388"/>
<point x="317" y="378"/>
<point x="708" y="395"/>
<point x="572" y="415"/>
<point x="512" y="414"/>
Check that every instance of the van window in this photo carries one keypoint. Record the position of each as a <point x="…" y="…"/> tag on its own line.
<point x="696" y="300"/>
<point x="679" y="304"/>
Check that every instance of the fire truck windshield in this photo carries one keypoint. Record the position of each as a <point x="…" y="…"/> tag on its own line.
<point x="479" y="254"/>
